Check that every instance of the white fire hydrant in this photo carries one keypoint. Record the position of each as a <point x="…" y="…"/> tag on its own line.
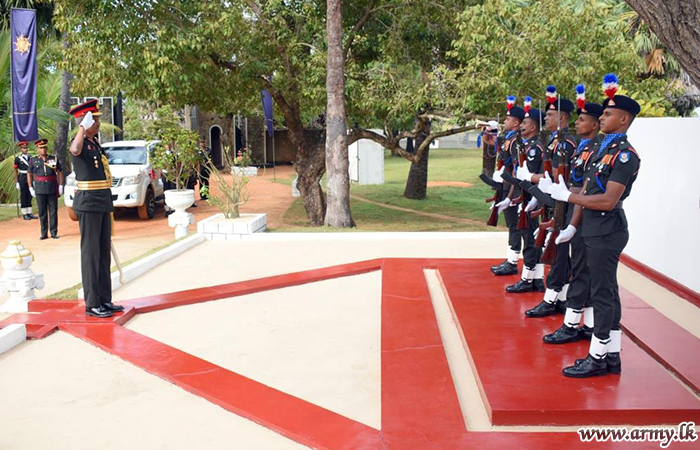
<point x="18" y="279"/>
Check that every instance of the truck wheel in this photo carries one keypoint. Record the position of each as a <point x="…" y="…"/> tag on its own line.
<point x="71" y="213"/>
<point x="148" y="209"/>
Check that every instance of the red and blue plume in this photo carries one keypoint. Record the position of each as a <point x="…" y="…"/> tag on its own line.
<point x="527" y="104"/>
<point x="551" y="94"/>
<point x="510" y="102"/>
<point x="610" y="85"/>
<point x="580" y="96"/>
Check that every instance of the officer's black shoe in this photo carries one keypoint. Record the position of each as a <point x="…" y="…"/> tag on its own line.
<point x="27" y="217"/>
<point x="586" y="333"/>
<point x="539" y="285"/>
<point x="32" y="216"/>
<point x="561" y="307"/>
<point x="112" y="307"/>
<point x="100" y="311"/>
<point x="41" y="238"/>
<point x="520" y="287"/>
<point x="589" y="367"/>
<point x="544" y="309"/>
<point x="563" y="335"/>
<point x="55" y="236"/>
<point x="507" y="269"/>
<point x="505" y="261"/>
<point x="167" y="213"/>
<point x="614" y="363"/>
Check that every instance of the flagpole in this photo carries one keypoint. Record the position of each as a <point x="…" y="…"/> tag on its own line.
<point x="274" y="165"/>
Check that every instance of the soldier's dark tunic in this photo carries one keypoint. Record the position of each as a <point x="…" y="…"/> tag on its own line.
<point x="21" y="163"/>
<point x="45" y="180"/>
<point x="507" y="149"/>
<point x="579" y="287"/>
<point x="560" y="272"/>
<point x="533" y="150"/>
<point x="605" y="232"/>
<point x="93" y="208"/>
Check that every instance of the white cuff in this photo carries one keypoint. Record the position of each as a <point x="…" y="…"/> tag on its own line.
<point x="562" y="295"/>
<point x="572" y="318"/>
<point x="512" y="256"/>
<point x="539" y="271"/>
<point x="598" y="348"/>
<point x="528" y="274"/>
<point x="550" y="295"/>
<point x="615" y="341"/>
<point x="588" y="316"/>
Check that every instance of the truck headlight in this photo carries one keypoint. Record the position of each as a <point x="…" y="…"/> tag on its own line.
<point x="135" y="179"/>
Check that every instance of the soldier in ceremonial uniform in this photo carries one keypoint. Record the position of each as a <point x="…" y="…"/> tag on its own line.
<point x="532" y="148"/>
<point x="506" y="159"/>
<point x="45" y="178"/>
<point x="560" y="148"/>
<point x="93" y="206"/>
<point x="21" y="166"/>
<point x="610" y="173"/>
<point x="578" y="305"/>
<point x="205" y="159"/>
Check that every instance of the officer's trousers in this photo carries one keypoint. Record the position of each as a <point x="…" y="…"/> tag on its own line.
<point x="603" y="256"/>
<point x="95" y="240"/>
<point x="47" y="204"/>
<point x="560" y="271"/>
<point x="531" y="254"/>
<point x="514" y="240"/>
<point x="580" y="284"/>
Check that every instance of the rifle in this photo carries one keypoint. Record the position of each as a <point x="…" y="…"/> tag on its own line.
<point x="498" y="195"/>
<point x="559" y="217"/>
<point x="522" y="217"/>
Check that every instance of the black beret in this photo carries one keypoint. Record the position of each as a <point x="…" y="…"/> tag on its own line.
<point x="592" y="109"/>
<point x="562" y="104"/>
<point x="624" y="103"/>
<point x="536" y="115"/>
<point x="517" y="112"/>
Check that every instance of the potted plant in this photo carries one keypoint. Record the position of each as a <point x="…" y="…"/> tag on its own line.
<point x="177" y="155"/>
<point x="232" y="192"/>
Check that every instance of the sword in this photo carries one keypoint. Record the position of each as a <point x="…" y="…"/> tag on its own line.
<point x="117" y="262"/>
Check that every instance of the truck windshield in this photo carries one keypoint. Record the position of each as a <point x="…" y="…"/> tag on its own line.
<point x="127" y="155"/>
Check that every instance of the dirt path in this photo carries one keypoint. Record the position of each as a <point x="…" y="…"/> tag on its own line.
<point x="59" y="260"/>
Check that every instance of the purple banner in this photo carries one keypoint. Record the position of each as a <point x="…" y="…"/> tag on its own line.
<point x="23" y="56"/>
<point x="267" y="110"/>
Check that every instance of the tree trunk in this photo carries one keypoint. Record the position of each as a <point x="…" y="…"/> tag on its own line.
<point x="60" y="143"/>
<point x="417" y="183"/>
<point x="675" y="23"/>
<point x="337" y="164"/>
<point x="310" y="165"/>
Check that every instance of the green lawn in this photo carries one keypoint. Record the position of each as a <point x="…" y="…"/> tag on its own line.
<point x="445" y="165"/>
<point x="10" y="212"/>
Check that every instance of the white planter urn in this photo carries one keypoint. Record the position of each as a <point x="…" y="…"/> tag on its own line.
<point x="180" y="200"/>
<point x="17" y="278"/>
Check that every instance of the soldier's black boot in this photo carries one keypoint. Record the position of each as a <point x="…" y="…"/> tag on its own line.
<point x="32" y="216"/>
<point x="520" y="287"/>
<point x="563" y="335"/>
<point x="27" y="217"/>
<point x="506" y="269"/>
<point x="112" y="307"/>
<point x="546" y="307"/>
<point x="538" y="284"/>
<point x="586" y="332"/>
<point x="588" y="367"/>
<point x="614" y="363"/>
<point x="99" y="311"/>
<point x="498" y="266"/>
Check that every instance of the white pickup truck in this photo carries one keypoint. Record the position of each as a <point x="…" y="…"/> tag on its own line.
<point x="135" y="183"/>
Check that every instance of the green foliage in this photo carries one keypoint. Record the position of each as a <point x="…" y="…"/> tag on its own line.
<point x="232" y="190"/>
<point x="177" y="153"/>
<point x="507" y="49"/>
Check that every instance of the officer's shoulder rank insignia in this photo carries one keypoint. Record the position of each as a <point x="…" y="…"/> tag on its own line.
<point x="624" y="157"/>
<point x="533" y="152"/>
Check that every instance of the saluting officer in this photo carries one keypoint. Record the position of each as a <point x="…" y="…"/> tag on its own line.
<point x="93" y="206"/>
<point x="610" y="173"/>
<point x="532" y="148"/>
<point x="507" y="158"/>
<point x="561" y="147"/>
<point x="21" y="166"/>
<point x="578" y="305"/>
<point x="45" y="178"/>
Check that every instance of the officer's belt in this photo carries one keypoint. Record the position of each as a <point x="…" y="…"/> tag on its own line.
<point x="94" y="185"/>
<point x="45" y="178"/>
<point x="619" y="205"/>
<point x="23" y="171"/>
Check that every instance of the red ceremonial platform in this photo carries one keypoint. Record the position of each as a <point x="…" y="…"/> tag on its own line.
<point x="519" y="377"/>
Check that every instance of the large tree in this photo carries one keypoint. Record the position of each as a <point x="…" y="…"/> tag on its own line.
<point x="677" y="25"/>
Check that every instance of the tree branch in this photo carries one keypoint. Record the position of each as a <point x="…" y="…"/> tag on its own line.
<point x="358" y="26"/>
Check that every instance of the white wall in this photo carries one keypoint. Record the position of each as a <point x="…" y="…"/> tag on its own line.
<point x="663" y="209"/>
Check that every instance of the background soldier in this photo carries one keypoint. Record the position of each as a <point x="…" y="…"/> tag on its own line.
<point x="45" y="178"/>
<point x="93" y="206"/>
<point x="21" y="165"/>
<point x="533" y="272"/>
<point x="508" y="158"/>
<point x="610" y="173"/>
<point x="205" y="160"/>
